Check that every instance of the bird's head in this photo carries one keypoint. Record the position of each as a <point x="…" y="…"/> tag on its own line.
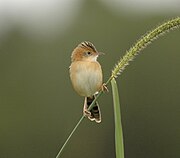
<point x="85" y="51"/>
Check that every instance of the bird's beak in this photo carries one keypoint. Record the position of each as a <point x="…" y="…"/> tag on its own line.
<point x="100" y="53"/>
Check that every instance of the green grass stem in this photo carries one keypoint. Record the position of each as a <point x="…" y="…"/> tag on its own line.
<point x="124" y="61"/>
<point x="117" y="120"/>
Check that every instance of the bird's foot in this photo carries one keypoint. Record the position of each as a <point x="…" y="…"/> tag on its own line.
<point x="86" y="112"/>
<point x="104" y="88"/>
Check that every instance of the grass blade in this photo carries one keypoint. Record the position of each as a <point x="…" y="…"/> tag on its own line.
<point x="117" y="118"/>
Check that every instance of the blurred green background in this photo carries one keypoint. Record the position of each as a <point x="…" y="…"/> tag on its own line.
<point x="39" y="108"/>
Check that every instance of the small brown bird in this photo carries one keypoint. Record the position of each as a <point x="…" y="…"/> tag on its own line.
<point x="86" y="77"/>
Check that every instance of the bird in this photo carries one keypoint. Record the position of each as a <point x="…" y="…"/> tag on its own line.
<point x="87" y="78"/>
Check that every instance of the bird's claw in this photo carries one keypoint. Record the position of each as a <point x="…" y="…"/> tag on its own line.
<point x="104" y="88"/>
<point x="86" y="112"/>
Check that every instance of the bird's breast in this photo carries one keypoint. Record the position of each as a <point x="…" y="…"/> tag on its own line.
<point x="86" y="77"/>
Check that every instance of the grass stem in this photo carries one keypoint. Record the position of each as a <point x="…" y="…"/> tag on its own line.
<point x="124" y="61"/>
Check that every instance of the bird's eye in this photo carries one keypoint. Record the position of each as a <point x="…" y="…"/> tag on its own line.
<point x="87" y="53"/>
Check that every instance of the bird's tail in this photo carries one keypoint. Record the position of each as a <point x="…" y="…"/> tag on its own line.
<point x="94" y="114"/>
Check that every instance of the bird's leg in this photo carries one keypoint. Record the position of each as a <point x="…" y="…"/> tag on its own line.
<point x="86" y="112"/>
<point x="104" y="88"/>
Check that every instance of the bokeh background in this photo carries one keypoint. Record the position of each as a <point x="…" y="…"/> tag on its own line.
<point x="39" y="108"/>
